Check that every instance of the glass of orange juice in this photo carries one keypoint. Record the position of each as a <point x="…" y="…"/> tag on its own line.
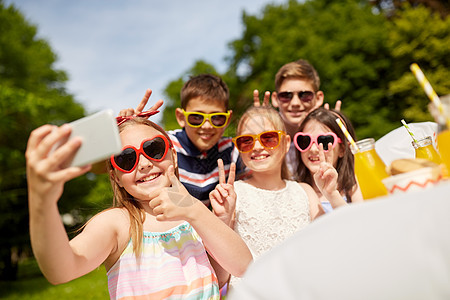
<point x="369" y="169"/>
<point x="424" y="149"/>
<point x="443" y="141"/>
<point x="443" y="138"/>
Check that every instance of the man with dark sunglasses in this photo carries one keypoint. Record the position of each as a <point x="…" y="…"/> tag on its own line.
<point x="297" y="86"/>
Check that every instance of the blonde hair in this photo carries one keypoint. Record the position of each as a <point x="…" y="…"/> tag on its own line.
<point x="122" y="199"/>
<point x="270" y="114"/>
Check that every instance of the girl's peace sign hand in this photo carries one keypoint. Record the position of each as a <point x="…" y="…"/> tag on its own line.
<point x="223" y="197"/>
<point x="326" y="177"/>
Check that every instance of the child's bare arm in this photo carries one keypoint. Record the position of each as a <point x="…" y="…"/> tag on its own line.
<point x="315" y="208"/>
<point x="46" y="175"/>
<point x="222" y="243"/>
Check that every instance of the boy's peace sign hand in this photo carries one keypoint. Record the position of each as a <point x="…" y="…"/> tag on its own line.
<point x="140" y="108"/>
<point x="326" y="177"/>
<point x="256" y="101"/>
<point x="223" y="197"/>
<point x="172" y="203"/>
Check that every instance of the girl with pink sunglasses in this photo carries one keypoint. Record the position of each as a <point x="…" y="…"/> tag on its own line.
<point x="320" y="129"/>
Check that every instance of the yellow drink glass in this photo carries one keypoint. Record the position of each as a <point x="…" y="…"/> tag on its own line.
<point x="443" y="138"/>
<point x="424" y="149"/>
<point x="370" y="170"/>
<point x="443" y="141"/>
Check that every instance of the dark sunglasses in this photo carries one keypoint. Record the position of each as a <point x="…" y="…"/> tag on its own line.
<point x="304" y="96"/>
<point x="268" y="139"/>
<point x="197" y="119"/>
<point x="154" y="149"/>
<point x="303" y="141"/>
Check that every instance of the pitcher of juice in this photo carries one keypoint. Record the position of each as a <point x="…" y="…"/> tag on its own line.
<point x="369" y="169"/>
<point x="443" y="137"/>
<point x="424" y="149"/>
<point x="443" y="141"/>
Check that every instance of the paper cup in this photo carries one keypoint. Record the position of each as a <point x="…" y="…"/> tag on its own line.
<point x="413" y="181"/>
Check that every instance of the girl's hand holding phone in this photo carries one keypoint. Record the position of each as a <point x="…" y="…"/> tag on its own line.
<point x="48" y="170"/>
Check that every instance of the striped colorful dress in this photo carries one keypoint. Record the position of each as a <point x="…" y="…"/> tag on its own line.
<point x="173" y="265"/>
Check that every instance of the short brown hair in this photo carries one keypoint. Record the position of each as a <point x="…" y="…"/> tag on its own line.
<point x="300" y="69"/>
<point x="206" y="86"/>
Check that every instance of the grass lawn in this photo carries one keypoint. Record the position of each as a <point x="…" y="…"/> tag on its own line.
<point x="32" y="285"/>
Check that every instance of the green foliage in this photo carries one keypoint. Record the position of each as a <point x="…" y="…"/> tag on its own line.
<point x="343" y="40"/>
<point x="31" y="94"/>
<point x="362" y="58"/>
<point x="26" y="62"/>
<point x="20" y="113"/>
<point x="32" y="285"/>
<point x="420" y="36"/>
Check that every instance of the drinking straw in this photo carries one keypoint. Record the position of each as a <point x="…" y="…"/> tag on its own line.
<point x="423" y="81"/>
<point x="347" y="134"/>
<point x="409" y="130"/>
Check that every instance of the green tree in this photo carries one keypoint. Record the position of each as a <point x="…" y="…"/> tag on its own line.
<point x="344" y="40"/>
<point x="362" y="57"/>
<point x="391" y="7"/>
<point x="26" y="62"/>
<point x="32" y="93"/>
<point x="421" y="36"/>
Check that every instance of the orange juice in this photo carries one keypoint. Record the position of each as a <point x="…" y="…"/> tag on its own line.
<point x="443" y="141"/>
<point x="424" y="149"/>
<point x="370" y="170"/>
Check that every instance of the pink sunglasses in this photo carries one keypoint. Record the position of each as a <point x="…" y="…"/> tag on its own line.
<point x="303" y="141"/>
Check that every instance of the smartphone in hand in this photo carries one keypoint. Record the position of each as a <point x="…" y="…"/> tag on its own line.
<point x="100" y="138"/>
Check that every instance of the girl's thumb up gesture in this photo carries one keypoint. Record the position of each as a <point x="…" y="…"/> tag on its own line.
<point x="172" y="203"/>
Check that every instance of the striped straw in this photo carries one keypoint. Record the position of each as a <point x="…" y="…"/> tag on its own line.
<point x="409" y="130"/>
<point x="423" y="81"/>
<point x="347" y="134"/>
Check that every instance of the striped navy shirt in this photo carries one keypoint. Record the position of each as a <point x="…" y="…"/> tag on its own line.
<point x="198" y="170"/>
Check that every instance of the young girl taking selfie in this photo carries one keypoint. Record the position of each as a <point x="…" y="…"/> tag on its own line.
<point x="153" y="240"/>
<point x="320" y="128"/>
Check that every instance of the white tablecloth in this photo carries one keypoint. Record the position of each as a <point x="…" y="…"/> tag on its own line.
<point x="397" y="247"/>
<point x="397" y="143"/>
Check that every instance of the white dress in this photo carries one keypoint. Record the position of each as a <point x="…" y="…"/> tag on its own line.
<point x="266" y="218"/>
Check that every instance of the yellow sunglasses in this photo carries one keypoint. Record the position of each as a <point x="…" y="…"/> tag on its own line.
<point x="197" y="119"/>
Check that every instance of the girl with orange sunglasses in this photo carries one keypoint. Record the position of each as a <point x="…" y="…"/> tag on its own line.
<point x="268" y="207"/>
